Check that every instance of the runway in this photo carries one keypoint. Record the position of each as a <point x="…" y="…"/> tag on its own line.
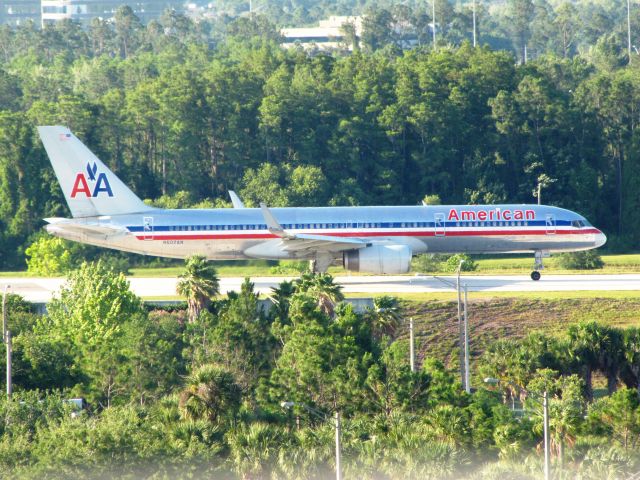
<point x="41" y="290"/>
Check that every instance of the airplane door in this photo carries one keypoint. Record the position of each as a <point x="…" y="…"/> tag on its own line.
<point x="439" y="225"/>
<point x="551" y="224"/>
<point x="147" y="228"/>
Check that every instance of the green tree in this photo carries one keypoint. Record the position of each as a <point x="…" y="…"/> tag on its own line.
<point x="521" y="14"/>
<point x="631" y="349"/>
<point x="321" y="287"/>
<point x="393" y="387"/>
<point x="199" y="284"/>
<point x="263" y="185"/>
<point x="281" y="298"/>
<point x="127" y="27"/>
<point x="618" y="415"/>
<point x="48" y="256"/>
<point x="386" y="317"/>
<point x="596" y="347"/>
<point x="566" y="406"/>
<point x="89" y="317"/>
<point x="210" y="393"/>
<point x="240" y="341"/>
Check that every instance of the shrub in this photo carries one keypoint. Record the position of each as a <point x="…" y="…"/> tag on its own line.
<point x="428" y="262"/>
<point x="585" y="260"/>
<point x="454" y="260"/>
<point x="289" y="268"/>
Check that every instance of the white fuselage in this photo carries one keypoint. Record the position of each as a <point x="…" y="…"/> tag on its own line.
<point x="239" y="233"/>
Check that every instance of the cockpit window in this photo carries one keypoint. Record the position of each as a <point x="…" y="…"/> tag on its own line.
<point x="578" y="223"/>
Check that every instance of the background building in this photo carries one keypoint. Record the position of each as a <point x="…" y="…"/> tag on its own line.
<point x="16" y="12"/>
<point x="328" y="34"/>
<point x="85" y="10"/>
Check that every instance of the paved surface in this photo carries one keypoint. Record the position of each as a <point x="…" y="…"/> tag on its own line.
<point x="42" y="289"/>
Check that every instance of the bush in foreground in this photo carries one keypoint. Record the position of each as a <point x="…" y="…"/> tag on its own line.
<point x="585" y="260"/>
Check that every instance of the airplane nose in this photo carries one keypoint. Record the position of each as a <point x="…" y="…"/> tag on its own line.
<point x="600" y="239"/>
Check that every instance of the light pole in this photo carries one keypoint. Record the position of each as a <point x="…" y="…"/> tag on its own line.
<point x="6" y="339"/>
<point x="461" y="334"/>
<point x="629" y="28"/>
<point x="412" y="352"/>
<point x="323" y="416"/>
<point x="545" y="419"/>
<point x="433" y="21"/>
<point x="474" y="23"/>
<point x="467" y="373"/>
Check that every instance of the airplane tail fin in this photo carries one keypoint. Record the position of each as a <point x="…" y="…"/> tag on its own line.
<point x="89" y="187"/>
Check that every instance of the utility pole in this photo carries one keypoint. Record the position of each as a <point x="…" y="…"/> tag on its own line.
<point x="460" y="328"/>
<point x="338" y="454"/>
<point x="4" y="313"/>
<point x="412" y="352"/>
<point x="629" y="28"/>
<point x="474" y="23"/>
<point x="535" y="396"/>
<point x="6" y="339"/>
<point x="9" y="352"/>
<point x="467" y="374"/>
<point x="433" y="21"/>
<point x="545" y="418"/>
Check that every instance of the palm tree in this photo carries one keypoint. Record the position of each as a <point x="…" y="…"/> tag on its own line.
<point x="596" y="347"/>
<point x="321" y="287"/>
<point x="631" y="349"/>
<point x="210" y="392"/>
<point x="281" y="298"/>
<point x="386" y="316"/>
<point x="199" y="283"/>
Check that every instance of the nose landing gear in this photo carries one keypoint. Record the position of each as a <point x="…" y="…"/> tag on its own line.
<point x="537" y="266"/>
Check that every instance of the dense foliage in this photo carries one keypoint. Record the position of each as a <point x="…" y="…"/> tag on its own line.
<point x="179" y="398"/>
<point x="177" y="107"/>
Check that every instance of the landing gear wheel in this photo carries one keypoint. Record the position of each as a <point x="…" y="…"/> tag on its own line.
<point x="538" y="254"/>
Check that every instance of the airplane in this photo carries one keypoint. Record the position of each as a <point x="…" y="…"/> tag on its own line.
<point x="378" y="240"/>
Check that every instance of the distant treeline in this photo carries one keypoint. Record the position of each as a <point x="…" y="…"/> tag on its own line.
<point x="175" y="107"/>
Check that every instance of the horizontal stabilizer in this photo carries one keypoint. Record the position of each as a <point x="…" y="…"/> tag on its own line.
<point x="66" y="228"/>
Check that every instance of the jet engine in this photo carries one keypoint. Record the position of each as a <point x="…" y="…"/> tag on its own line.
<point x="378" y="259"/>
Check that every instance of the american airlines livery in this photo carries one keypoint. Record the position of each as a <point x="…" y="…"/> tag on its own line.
<point x="366" y="239"/>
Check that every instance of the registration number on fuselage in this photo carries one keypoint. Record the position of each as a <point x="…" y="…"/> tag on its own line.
<point x="172" y="242"/>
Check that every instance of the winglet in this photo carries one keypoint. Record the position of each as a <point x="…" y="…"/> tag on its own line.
<point x="235" y="200"/>
<point x="272" y="224"/>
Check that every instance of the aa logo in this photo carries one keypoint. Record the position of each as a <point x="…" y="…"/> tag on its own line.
<point x="100" y="183"/>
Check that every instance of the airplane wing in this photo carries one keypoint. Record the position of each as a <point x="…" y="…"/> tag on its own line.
<point x="63" y="227"/>
<point x="308" y="242"/>
<point x="325" y="243"/>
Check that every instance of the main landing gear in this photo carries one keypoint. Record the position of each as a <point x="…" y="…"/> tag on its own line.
<point x="537" y="266"/>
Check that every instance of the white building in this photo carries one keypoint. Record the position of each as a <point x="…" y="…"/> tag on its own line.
<point x="17" y="12"/>
<point x="84" y="10"/>
<point x="329" y="34"/>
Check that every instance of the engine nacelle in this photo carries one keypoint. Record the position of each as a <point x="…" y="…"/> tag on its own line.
<point x="378" y="259"/>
